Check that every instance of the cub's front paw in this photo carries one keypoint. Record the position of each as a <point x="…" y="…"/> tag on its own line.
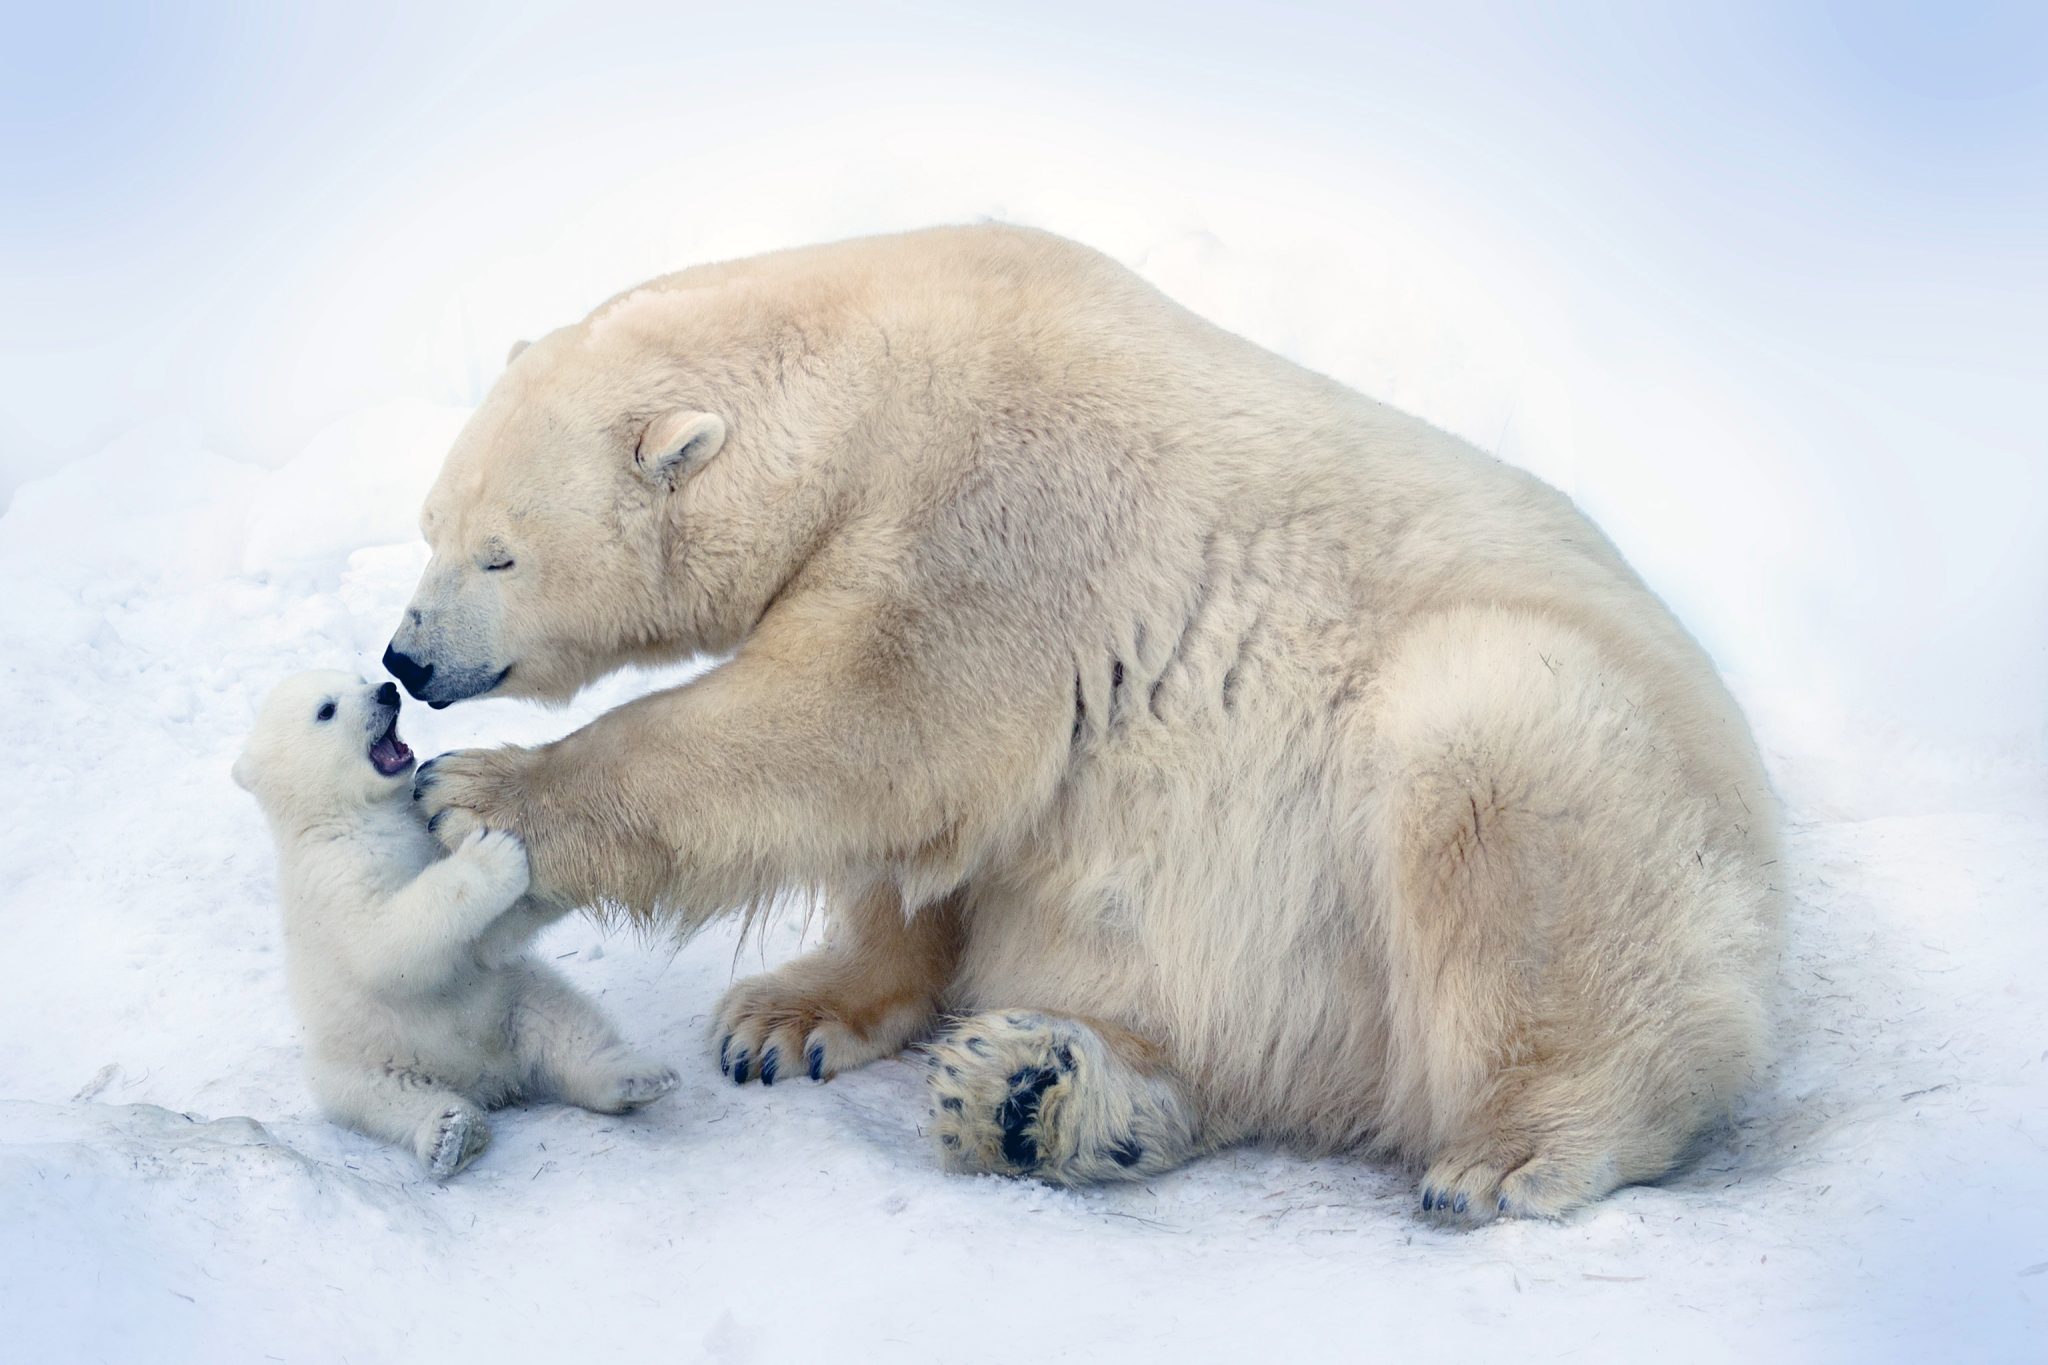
<point x="500" y="858"/>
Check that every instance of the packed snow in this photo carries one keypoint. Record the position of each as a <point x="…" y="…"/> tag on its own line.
<point x="168" y="1192"/>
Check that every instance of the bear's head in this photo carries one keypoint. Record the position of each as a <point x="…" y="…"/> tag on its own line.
<point x="325" y="741"/>
<point x="586" y="519"/>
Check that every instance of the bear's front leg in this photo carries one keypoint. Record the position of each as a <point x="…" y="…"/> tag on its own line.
<point x="804" y="762"/>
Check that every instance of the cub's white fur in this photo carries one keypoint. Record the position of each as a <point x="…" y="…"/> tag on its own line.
<point x="408" y="969"/>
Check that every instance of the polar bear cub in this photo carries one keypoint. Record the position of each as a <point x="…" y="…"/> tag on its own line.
<point x="408" y="969"/>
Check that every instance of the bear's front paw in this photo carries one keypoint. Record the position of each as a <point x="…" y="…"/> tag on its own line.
<point x="501" y="858"/>
<point x="822" y="1014"/>
<point x="465" y="790"/>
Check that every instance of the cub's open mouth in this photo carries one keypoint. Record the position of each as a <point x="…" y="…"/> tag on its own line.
<point x="389" y="754"/>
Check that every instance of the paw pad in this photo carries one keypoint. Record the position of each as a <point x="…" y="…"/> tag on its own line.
<point x="1018" y="1114"/>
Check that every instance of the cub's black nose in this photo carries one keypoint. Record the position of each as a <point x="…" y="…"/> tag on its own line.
<point x="409" y="671"/>
<point x="387" y="695"/>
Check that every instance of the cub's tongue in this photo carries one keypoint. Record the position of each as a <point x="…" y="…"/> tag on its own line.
<point x="390" y="754"/>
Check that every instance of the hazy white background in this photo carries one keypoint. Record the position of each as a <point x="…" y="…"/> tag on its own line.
<point x="1762" y="288"/>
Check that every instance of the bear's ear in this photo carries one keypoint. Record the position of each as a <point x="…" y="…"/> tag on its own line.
<point x="244" y="773"/>
<point x="676" y="444"/>
<point x="517" y="347"/>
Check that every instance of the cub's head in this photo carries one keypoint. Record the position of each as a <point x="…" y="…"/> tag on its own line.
<point x="326" y="740"/>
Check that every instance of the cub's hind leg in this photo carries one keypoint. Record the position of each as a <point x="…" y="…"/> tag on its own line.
<point x="867" y="992"/>
<point x="444" y="1128"/>
<point x="1577" y="927"/>
<point x="1058" y="1099"/>
<point x="570" y="1051"/>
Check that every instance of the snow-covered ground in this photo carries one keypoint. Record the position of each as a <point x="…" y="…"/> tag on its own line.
<point x="167" y="1191"/>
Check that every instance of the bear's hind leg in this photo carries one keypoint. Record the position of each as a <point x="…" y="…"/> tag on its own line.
<point x="1575" y="931"/>
<point x="1020" y="1093"/>
<point x="870" y="990"/>
<point x="444" y="1128"/>
<point x="1544" y="1148"/>
<point x="570" y="1051"/>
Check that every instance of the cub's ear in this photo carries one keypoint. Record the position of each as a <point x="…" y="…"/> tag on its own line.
<point x="517" y="347"/>
<point x="676" y="444"/>
<point x="244" y="773"/>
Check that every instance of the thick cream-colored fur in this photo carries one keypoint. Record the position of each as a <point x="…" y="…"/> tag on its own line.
<point x="408" y="969"/>
<point x="1267" y="749"/>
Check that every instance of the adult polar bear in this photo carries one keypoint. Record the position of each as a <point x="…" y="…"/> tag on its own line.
<point x="1242" y="758"/>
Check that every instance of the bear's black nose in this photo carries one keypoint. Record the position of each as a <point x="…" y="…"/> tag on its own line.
<point x="409" y="671"/>
<point x="387" y="695"/>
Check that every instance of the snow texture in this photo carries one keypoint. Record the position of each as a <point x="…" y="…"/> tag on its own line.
<point x="168" y="1193"/>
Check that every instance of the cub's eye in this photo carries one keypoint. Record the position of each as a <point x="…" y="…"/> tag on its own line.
<point x="326" y="711"/>
<point x="497" y="566"/>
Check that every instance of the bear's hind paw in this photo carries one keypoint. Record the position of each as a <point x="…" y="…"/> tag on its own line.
<point x="1470" y="1189"/>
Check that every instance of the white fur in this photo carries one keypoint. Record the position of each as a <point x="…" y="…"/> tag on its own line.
<point x="408" y="969"/>
<point x="1265" y="747"/>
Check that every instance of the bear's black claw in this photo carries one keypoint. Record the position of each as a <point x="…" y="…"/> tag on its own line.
<point x="1020" y="1111"/>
